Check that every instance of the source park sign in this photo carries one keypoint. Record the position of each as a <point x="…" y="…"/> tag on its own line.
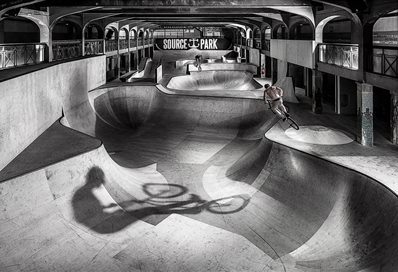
<point x="193" y="43"/>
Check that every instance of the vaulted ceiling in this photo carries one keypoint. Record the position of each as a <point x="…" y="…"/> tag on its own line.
<point x="178" y="12"/>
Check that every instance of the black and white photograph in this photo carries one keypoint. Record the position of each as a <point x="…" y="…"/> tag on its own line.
<point x="198" y="135"/>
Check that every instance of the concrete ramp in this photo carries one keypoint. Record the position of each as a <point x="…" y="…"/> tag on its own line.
<point x="215" y="80"/>
<point x="189" y="183"/>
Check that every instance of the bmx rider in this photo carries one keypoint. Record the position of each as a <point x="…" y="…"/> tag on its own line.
<point x="198" y="62"/>
<point x="274" y="95"/>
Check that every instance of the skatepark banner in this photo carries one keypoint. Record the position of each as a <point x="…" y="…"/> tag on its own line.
<point x="192" y="43"/>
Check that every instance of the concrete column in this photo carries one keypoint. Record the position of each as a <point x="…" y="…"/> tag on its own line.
<point x="1" y="33"/>
<point x="282" y="69"/>
<point x="337" y="95"/>
<point x="83" y="44"/>
<point x="394" y="118"/>
<point x="118" y="58"/>
<point x="316" y="92"/>
<point x="50" y="55"/>
<point x="274" y="68"/>
<point x="308" y="82"/>
<point x="129" y="54"/>
<point x="365" y="113"/>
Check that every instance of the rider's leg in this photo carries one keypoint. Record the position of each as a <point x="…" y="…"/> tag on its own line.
<point x="275" y="108"/>
<point x="282" y="107"/>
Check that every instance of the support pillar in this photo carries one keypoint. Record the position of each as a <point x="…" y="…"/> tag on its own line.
<point x="2" y="33"/>
<point x="129" y="54"/>
<point x="49" y="55"/>
<point x="308" y="82"/>
<point x="282" y="69"/>
<point x="118" y="58"/>
<point x="83" y="45"/>
<point x="365" y="113"/>
<point x="394" y="118"/>
<point x="337" y="95"/>
<point x="317" y="92"/>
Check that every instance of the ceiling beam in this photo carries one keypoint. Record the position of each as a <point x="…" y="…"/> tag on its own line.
<point x="179" y="3"/>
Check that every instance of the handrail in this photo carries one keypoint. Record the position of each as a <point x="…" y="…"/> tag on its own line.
<point x="93" y="40"/>
<point x="19" y="44"/>
<point x="66" y="49"/>
<point x="383" y="63"/>
<point x="385" y="47"/>
<point x="342" y="55"/>
<point x="341" y="44"/>
<point x="20" y="54"/>
<point x="67" y="41"/>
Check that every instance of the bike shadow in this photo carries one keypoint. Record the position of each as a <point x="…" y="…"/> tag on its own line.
<point x="160" y="200"/>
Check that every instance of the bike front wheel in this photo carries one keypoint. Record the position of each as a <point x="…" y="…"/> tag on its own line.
<point x="292" y="123"/>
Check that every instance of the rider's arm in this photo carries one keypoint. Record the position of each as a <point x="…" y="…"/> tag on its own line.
<point x="266" y="96"/>
<point x="280" y="91"/>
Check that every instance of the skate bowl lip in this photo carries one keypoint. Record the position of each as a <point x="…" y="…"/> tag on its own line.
<point x="163" y="86"/>
<point x="221" y="66"/>
<point x="179" y="80"/>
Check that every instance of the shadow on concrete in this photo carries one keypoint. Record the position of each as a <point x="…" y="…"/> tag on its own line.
<point x="162" y="199"/>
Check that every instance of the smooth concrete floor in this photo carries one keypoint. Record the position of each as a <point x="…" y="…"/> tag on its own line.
<point x="195" y="188"/>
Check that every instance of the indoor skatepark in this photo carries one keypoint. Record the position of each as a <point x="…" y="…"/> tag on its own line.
<point x="206" y="161"/>
<point x="133" y="159"/>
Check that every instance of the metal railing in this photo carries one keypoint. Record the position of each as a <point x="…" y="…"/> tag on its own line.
<point x="93" y="47"/>
<point x="15" y="55"/>
<point x="133" y="43"/>
<point x="123" y="44"/>
<point x="139" y="43"/>
<point x="66" y="49"/>
<point x="111" y="45"/>
<point x="343" y="55"/>
<point x="384" y="61"/>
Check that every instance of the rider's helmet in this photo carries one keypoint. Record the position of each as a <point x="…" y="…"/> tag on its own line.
<point x="266" y="86"/>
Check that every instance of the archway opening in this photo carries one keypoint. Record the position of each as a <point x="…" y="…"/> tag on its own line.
<point x="93" y="32"/>
<point x="110" y="34"/>
<point x="67" y="43"/>
<point x="384" y="53"/>
<point x="66" y="30"/>
<point x="280" y="32"/>
<point x="338" y="31"/>
<point x="19" y="30"/>
<point x="257" y="38"/>
<point x="301" y="31"/>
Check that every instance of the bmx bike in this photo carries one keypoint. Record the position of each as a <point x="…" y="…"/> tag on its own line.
<point x="288" y="119"/>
